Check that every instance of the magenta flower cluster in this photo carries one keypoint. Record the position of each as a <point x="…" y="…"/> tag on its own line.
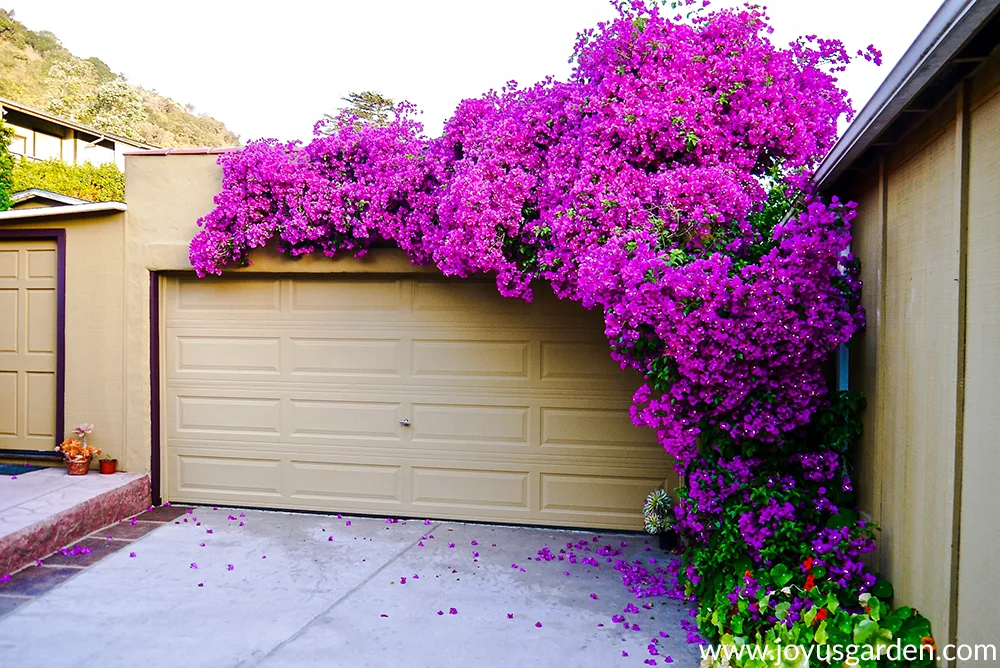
<point x="639" y="186"/>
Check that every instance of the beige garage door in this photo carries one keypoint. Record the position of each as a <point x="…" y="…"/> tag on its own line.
<point x="28" y="304"/>
<point x="399" y="396"/>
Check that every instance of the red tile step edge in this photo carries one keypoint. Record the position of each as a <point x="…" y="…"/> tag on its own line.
<point x="43" y="538"/>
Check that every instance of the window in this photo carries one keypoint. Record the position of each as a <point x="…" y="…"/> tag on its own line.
<point x="47" y="146"/>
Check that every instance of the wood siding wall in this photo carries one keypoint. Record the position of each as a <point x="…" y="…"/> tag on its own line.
<point x="928" y="236"/>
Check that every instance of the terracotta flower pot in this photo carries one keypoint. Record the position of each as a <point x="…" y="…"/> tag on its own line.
<point x="108" y="465"/>
<point x="78" y="466"/>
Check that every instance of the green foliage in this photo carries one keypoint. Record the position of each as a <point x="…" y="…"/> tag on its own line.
<point x="105" y="183"/>
<point x="37" y="70"/>
<point x="6" y="166"/>
<point x="656" y="512"/>
<point x="365" y="108"/>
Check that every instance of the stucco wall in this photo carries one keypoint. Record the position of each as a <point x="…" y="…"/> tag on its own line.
<point x="94" y="323"/>
<point x="928" y="234"/>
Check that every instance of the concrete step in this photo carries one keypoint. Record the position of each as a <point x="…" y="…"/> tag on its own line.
<point x="42" y="511"/>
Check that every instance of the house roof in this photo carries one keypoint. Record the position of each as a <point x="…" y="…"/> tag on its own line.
<point x="58" y="199"/>
<point x="59" y="120"/>
<point x="68" y="210"/>
<point x="959" y="37"/>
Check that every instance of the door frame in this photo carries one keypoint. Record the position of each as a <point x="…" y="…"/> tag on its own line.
<point x="59" y="236"/>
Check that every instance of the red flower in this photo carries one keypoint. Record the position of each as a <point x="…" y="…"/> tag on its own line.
<point x="808" y="563"/>
<point x="810" y="583"/>
<point x="821" y="615"/>
<point x="747" y="574"/>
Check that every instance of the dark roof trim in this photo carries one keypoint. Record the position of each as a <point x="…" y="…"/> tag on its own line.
<point x="59" y="120"/>
<point x="33" y="193"/>
<point x="951" y="27"/>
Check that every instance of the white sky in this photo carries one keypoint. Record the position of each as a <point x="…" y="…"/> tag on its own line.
<point x="272" y="69"/>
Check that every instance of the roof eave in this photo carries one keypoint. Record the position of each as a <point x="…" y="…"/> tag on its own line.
<point x="943" y="36"/>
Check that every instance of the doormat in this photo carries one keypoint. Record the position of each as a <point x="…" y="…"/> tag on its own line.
<point x="18" y="469"/>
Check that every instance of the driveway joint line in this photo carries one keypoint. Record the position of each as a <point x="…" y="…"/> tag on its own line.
<point x="336" y="603"/>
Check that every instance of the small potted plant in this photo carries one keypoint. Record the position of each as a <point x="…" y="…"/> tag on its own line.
<point x="108" y="465"/>
<point x="77" y="452"/>
<point x="658" y="519"/>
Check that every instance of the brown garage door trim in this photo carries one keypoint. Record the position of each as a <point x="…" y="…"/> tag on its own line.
<point x="154" y="386"/>
<point x="59" y="236"/>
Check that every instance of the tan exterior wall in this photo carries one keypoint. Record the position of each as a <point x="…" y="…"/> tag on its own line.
<point x="94" y="323"/>
<point x="980" y="531"/>
<point x="928" y="234"/>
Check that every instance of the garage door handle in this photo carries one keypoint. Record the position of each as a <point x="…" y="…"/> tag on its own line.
<point x="404" y="422"/>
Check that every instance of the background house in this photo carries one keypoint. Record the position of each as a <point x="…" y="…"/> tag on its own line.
<point x="39" y="135"/>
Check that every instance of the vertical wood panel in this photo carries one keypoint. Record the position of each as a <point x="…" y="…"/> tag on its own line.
<point x="979" y="578"/>
<point x="917" y="416"/>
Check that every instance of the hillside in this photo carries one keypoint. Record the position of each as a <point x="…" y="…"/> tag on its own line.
<point x="36" y="70"/>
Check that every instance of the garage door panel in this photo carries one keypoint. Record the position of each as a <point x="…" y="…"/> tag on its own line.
<point x="470" y="424"/>
<point x="470" y="359"/>
<point x="516" y="411"/>
<point x="333" y="481"/>
<point x="211" y="354"/>
<point x="193" y="298"/>
<point x="471" y="488"/>
<point x="591" y="495"/>
<point x="233" y="475"/>
<point x="345" y="419"/>
<point x="225" y="416"/>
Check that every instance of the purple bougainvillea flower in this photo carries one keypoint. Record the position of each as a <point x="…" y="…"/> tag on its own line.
<point x="242" y="515"/>
<point x="624" y="653"/>
<point x="566" y="573"/>
<point x="209" y="531"/>
<point x="5" y="577"/>
<point x="229" y="567"/>
<point x="416" y="577"/>
<point x="201" y="545"/>
<point x="190" y="511"/>
<point x="131" y="555"/>
<point x="510" y="615"/>
<point x="451" y="545"/>
<point x="329" y="539"/>
<point x="513" y="565"/>
<point x="264" y="556"/>
<point x="668" y="659"/>
<point x="593" y="597"/>
<point x="348" y="523"/>
<point x="663" y="634"/>
<point x="194" y="565"/>
<point x="167" y="504"/>
<point x="201" y="584"/>
<point x="13" y="477"/>
<point x="475" y="554"/>
<point x="241" y="523"/>
<point x="427" y="521"/>
<point x="538" y="625"/>
<point x="440" y="612"/>
<point x="231" y="517"/>
<point x="420" y="544"/>
<point x="402" y="581"/>
<point x="383" y="615"/>
<point x="452" y="611"/>
<point x="474" y="543"/>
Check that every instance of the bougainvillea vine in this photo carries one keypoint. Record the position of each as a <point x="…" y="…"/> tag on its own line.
<point x="666" y="182"/>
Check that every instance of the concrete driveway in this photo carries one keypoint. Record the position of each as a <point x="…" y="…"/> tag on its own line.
<point x="290" y="589"/>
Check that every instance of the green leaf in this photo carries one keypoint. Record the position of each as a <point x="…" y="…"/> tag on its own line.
<point x="882" y="590"/>
<point x="821" y="636"/>
<point x="781" y="575"/>
<point x="864" y="630"/>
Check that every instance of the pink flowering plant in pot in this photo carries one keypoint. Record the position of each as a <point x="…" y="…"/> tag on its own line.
<point x="77" y="452"/>
<point x="667" y="183"/>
